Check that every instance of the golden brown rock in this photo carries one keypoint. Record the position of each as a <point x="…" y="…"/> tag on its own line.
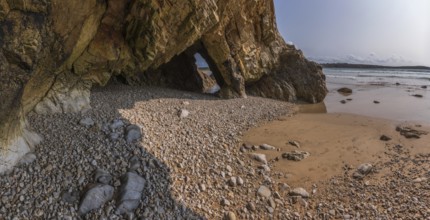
<point x="52" y="51"/>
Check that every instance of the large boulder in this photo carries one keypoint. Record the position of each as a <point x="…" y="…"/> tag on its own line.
<point x="52" y="52"/>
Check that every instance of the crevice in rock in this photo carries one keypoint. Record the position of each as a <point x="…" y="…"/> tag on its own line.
<point x="182" y="72"/>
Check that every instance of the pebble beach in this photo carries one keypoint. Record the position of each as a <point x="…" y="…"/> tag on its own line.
<point x="189" y="156"/>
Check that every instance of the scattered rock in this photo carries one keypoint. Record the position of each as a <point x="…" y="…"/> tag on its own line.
<point x="299" y="192"/>
<point x="70" y="196"/>
<point x="87" y="122"/>
<point x="384" y="138"/>
<point x="423" y="87"/>
<point x="294" y="143"/>
<point x="363" y="170"/>
<point x="345" y="91"/>
<point x="132" y="186"/>
<point x="117" y="123"/>
<point x="267" y="147"/>
<point x="264" y="167"/>
<point x="410" y="132"/>
<point x="417" y="95"/>
<point x="102" y="176"/>
<point x="232" y="181"/>
<point x="202" y="187"/>
<point x="114" y="136"/>
<point x="264" y="191"/>
<point x="28" y="158"/>
<point x="296" y="155"/>
<point x="343" y="101"/>
<point x="132" y="133"/>
<point x="251" y="207"/>
<point x="420" y="179"/>
<point x="134" y="164"/>
<point x="95" y="197"/>
<point x="225" y="202"/>
<point x="183" y="113"/>
<point x="259" y="157"/>
<point x="376" y="102"/>
<point x="230" y="216"/>
<point x="240" y="181"/>
<point x="229" y="169"/>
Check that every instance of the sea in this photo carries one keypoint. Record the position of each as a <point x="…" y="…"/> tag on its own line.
<point x="394" y="94"/>
<point x="369" y="76"/>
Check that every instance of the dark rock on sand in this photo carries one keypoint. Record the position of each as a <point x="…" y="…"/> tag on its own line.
<point x="343" y="102"/>
<point x="345" y="91"/>
<point x="296" y="155"/>
<point x="376" y="102"/>
<point x="95" y="197"/>
<point x="423" y="87"/>
<point x="363" y="170"/>
<point x="130" y="193"/>
<point x="294" y="143"/>
<point x="417" y="95"/>
<point x="410" y="132"/>
<point x="384" y="138"/>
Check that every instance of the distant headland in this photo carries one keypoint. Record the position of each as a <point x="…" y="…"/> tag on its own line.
<point x="367" y="66"/>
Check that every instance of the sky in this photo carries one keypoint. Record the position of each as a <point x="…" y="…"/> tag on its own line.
<point x="384" y="32"/>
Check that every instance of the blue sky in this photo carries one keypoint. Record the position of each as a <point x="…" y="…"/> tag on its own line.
<point x="387" y="32"/>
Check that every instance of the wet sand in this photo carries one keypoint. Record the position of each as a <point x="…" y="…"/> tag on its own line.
<point x="345" y="135"/>
<point x="334" y="141"/>
<point x="395" y="102"/>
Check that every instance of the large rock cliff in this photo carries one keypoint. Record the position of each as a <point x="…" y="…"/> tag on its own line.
<point x="53" y="51"/>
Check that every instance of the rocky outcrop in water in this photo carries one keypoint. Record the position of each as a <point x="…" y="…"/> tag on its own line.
<point x="52" y="52"/>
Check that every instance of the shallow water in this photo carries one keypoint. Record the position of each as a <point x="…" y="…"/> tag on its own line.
<point x="396" y="101"/>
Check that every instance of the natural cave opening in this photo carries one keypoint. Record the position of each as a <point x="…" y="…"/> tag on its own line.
<point x="210" y="84"/>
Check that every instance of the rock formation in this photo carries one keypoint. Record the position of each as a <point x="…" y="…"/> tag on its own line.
<point x="52" y="52"/>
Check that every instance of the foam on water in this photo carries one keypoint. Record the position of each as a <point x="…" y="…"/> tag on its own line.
<point x="379" y="76"/>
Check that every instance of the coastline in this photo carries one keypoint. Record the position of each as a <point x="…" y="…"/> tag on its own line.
<point x="194" y="166"/>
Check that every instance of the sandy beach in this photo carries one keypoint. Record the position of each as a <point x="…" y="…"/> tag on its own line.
<point x="195" y="164"/>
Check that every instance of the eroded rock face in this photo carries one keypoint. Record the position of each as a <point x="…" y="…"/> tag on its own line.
<point x="52" y="52"/>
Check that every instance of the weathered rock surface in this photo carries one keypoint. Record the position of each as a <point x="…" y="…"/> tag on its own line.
<point x="52" y="52"/>
<point x="130" y="193"/>
<point x="95" y="197"/>
<point x="296" y="155"/>
<point x="363" y="170"/>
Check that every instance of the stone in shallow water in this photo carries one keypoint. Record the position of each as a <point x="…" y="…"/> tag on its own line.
<point x="95" y="197"/>
<point x="133" y="133"/>
<point x="130" y="193"/>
